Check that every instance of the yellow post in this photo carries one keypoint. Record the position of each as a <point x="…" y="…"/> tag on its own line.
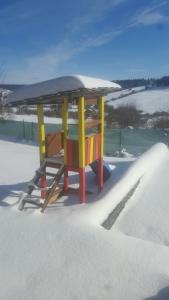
<point x="65" y="126"/>
<point x="81" y="132"/>
<point x="81" y="142"/>
<point x="41" y="132"/>
<point x="101" y="119"/>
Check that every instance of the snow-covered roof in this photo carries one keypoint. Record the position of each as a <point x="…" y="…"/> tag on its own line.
<point x="52" y="91"/>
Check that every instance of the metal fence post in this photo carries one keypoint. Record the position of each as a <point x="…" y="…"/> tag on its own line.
<point x="32" y="131"/>
<point x="120" y="140"/>
<point x="24" y="135"/>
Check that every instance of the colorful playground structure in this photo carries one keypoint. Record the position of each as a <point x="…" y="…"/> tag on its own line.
<point x="58" y="150"/>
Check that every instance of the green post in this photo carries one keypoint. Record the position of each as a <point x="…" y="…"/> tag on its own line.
<point x="32" y="131"/>
<point x="24" y="135"/>
<point x="120" y="140"/>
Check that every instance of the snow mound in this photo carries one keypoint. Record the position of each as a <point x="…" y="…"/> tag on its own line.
<point x="63" y="255"/>
<point x="148" y="163"/>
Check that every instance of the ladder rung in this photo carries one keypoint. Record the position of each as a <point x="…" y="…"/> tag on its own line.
<point x="50" y="174"/>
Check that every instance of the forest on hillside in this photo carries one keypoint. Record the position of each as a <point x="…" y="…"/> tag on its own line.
<point x="130" y="83"/>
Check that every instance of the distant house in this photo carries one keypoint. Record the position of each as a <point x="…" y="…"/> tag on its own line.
<point x="150" y="123"/>
<point x="6" y="89"/>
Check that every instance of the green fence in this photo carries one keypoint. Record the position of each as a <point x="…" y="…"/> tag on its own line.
<point x="26" y="131"/>
<point x="135" y="141"/>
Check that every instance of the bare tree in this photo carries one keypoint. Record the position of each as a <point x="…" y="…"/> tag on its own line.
<point x="3" y="93"/>
<point x="124" y="116"/>
<point x="162" y="123"/>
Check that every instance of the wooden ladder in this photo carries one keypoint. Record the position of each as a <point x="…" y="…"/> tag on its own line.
<point x="51" y="195"/>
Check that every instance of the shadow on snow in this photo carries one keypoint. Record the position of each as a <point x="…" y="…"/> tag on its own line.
<point x="163" y="294"/>
<point x="13" y="190"/>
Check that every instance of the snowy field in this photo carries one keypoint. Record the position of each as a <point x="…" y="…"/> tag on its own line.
<point x="33" y="118"/>
<point x="123" y="93"/>
<point x="66" y="253"/>
<point x="149" y="101"/>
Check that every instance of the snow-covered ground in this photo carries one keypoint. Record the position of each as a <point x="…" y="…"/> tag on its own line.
<point x="148" y="101"/>
<point x="33" y="118"/>
<point x="123" y="93"/>
<point x="66" y="253"/>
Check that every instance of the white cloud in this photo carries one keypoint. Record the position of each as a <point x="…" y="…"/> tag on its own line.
<point x="42" y="66"/>
<point x="48" y="64"/>
<point x="152" y="18"/>
<point x="152" y="15"/>
<point x="96" y="11"/>
<point x="22" y="13"/>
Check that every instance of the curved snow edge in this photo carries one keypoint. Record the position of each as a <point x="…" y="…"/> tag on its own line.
<point x="147" y="163"/>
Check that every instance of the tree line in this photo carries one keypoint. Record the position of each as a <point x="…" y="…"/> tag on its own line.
<point x="130" y="83"/>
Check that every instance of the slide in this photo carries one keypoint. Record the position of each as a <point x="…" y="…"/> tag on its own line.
<point x="106" y="169"/>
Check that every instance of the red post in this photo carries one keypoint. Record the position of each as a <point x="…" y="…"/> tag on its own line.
<point x="82" y="181"/>
<point x="66" y="180"/>
<point x="100" y="174"/>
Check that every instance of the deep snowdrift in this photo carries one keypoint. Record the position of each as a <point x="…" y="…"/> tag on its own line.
<point x="145" y="166"/>
<point x="65" y="254"/>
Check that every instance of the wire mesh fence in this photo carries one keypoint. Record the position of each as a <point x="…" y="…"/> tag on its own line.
<point x="134" y="141"/>
<point x="27" y="131"/>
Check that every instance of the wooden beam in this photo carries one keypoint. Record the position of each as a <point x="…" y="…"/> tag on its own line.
<point x="90" y="101"/>
<point x="91" y="123"/>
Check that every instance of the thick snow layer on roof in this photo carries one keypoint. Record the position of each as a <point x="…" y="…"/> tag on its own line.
<point x="77" y="84"/>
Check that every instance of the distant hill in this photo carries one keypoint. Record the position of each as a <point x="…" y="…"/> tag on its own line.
<point x="130" y="83"/>
<point x="11" y="87"/>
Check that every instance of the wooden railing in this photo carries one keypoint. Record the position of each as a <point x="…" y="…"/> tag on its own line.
<point x="54" y="143"/>
<point x="92" y="150"/>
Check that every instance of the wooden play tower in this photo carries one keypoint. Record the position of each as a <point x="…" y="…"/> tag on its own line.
<point x="80" y="152"/>
<point x="58" y="149"/>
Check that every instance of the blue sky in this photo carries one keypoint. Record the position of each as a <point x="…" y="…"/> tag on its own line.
<point x="111" y="39"/>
